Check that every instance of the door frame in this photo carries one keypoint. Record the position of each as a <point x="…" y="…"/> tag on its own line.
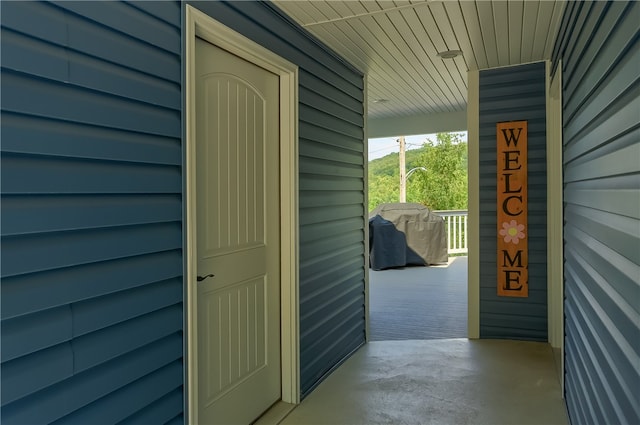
<point x="199" y="24"/>
<point x="555" y="218"/>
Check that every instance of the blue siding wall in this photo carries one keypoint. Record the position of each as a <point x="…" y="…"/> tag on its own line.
<point x="512" y="94"/>
<point x="332" y="316"/>
<point x="91" y="213"/>
<point x="601" y="112"/>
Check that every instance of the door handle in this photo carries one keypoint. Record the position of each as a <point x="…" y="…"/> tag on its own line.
<point x="201" y="278"/>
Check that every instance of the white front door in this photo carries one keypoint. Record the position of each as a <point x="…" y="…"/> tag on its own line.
<point x="238" y="237"/>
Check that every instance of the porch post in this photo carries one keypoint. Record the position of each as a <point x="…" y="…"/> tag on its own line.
<point x="473" y="132"/>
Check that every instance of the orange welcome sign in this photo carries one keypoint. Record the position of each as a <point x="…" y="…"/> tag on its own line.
<point x="513" y="231"/>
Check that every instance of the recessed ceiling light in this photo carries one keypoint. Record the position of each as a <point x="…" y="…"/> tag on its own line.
<point x="380" y="100"/>
<point x="449" y="54"/>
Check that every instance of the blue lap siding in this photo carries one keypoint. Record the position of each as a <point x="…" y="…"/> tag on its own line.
<point x="515" y="93"/>
<point x="92" y="201"/>
<point x="600" y="52"/>
<point x="91" y="213"/>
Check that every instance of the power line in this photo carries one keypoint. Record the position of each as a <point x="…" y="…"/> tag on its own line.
<point x="382" y="149"/>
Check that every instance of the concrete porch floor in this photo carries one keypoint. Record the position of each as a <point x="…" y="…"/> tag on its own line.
<point x="442" y="381"/>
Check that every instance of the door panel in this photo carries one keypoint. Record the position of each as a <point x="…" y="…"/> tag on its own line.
<point x="237" y="169"/>
<point x="239" y="313"/>
<point x="233" y="174"/>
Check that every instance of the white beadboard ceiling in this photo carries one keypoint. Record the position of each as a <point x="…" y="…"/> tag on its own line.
<point x="396" y="44"/>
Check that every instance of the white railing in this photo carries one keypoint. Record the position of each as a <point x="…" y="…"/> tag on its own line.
<point x="456" y="224"/>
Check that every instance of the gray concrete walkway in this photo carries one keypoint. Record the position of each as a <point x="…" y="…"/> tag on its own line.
<point x="446" y="381"/>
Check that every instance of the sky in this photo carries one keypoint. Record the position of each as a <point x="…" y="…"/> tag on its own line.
<point x="386" y="145"/>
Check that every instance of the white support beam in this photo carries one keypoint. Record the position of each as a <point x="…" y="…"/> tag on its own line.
<point x="417" y="124"/>
<point x="473" y="139"/>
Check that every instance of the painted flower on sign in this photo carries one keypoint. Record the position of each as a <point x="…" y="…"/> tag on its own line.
<point x="512" y="232"/>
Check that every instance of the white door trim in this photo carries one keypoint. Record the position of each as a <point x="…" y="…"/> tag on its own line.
<point x="201" y="25"/>
<point x="555" y="215"/>
<point x="473" y="226"/>
<point x="365" y="140"/>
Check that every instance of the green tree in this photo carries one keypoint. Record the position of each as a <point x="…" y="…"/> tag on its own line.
<point x="383" y="188"/>
<point x="444" y="185"/>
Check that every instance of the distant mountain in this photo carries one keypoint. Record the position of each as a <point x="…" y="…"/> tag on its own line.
<point x="390" y="164"/>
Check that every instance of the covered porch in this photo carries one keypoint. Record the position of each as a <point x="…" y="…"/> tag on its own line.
<point x="419" y="302"/>
<point x="424" y="302"/>
<point x="419" y="368"/>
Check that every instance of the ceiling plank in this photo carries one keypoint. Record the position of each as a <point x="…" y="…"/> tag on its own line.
<point x="472" y="23"/>
<point x="545" y="11"/>
<point x="451" y="43"/>
<point x="487" y="25"/>
<point x="296" y="11"/>
<point x="529" y="19"/>
<point x="350" y="51"/>
<point x="501" y="23"/>
<point x="554" y="27"/>
<point x="383" y="70"/>
<point x="516" y="8"/>
<point x="356" y="7"/>
<point x="419" y="44"/>
<point x="373" y="6"/>
<point x="328" y="13"/>
<point x="395" y="42"/>
<point x="431" y="44"/>
<point x="350" y="44"/>
<point x="404" y="3"/>
<point x="412" y="90"/>
<point x="412" y="61"/>
<point x="346" y="8"/>
<point x="451" y="12"/>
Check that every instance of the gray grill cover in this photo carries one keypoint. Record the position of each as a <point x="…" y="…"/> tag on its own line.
<point x="425" y="234"/>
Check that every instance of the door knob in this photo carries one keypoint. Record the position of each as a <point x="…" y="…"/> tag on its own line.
<point x="201" y="278"/>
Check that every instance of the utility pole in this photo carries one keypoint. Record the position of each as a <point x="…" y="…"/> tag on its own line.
<point x="403" y="171"/>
